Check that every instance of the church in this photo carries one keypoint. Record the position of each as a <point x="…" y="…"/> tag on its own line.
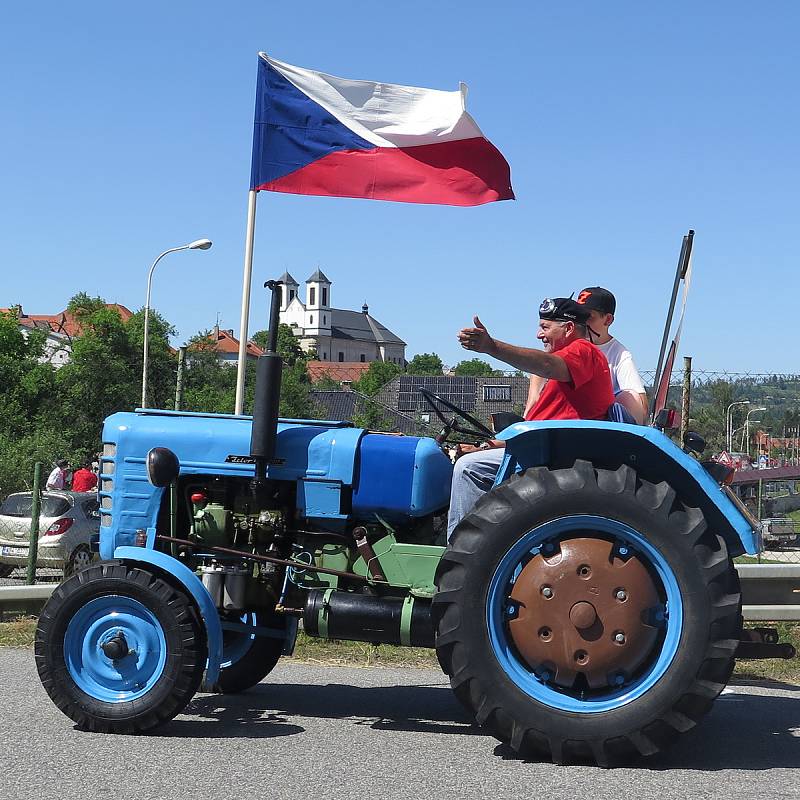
<point x="335" y="334"/>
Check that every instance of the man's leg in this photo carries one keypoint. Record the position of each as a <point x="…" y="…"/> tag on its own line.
<point x="473" y="476"/>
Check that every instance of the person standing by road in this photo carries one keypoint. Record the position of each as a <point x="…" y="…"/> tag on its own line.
<point x="83" y="479"/>
<point x="58" y="477"/>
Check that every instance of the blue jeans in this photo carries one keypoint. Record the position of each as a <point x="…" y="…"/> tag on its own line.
<point x="473" y="476"/>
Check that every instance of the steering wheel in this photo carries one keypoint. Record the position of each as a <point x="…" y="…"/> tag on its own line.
<point x="476" y="429"/>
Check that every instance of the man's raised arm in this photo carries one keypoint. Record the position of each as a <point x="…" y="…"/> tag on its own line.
<point x="536" y="362"/>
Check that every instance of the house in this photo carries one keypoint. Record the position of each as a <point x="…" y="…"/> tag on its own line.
<point x="60" y="329"/>
<point x="226" y="346"/>
<point x="336" y="334"/>
<point x="479" y="396"/>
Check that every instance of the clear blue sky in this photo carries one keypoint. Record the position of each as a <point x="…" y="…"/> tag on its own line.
<point x="128" y="130"/>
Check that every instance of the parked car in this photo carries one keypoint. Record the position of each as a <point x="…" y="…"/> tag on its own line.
<point x="67" y="522"/>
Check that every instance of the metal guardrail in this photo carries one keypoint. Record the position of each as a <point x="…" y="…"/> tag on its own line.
<point x="770" y="593"/>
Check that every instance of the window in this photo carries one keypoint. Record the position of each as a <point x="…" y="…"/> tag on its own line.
<point x="291" y="295"/>
<point x="363" y="358"/>
<point x="324" y="319"/>
<point x="341" y="356"/>
<point x="310" y="319"/>
<point x="312" y="295"/>
<point x="496" y="394"/>
<point x="324" y="356"/>
<point x="324" y="296"/>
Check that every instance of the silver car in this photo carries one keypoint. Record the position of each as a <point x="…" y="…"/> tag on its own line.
<point x="66" y="524"/>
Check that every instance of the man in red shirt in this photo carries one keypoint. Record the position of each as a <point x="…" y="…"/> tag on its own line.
<point x="83" y="479"/>
<point x="578" y="387"/>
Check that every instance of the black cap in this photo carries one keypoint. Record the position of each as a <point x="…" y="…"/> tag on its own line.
<point x="563" y="309"/>
<point x="596" y="298"/>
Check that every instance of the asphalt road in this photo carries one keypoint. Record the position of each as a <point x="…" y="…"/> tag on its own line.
<point x="332" y="732"/>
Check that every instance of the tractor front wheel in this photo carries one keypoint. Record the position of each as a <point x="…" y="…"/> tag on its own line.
<point x="118" y="649"/>
<point x="586" y="615"/>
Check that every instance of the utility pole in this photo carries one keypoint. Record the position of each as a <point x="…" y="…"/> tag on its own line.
<point x="687" y="395"/>
<point x="179" y="378"/>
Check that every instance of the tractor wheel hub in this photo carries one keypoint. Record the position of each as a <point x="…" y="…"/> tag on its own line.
<point x="585" y="608"/>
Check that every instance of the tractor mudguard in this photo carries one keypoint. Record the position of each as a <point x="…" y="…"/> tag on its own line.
<point x="173" y="569"/>
<point x="557" y="443"/>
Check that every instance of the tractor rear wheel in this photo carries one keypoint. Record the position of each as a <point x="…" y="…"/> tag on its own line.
<point x="586" y="615"/>
<point x="118" y="649"/>
<point x="246" y="658"/>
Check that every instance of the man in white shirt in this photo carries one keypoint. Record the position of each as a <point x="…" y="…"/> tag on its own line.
<point x="625" y="380"/>
<point x="57" y="477"/>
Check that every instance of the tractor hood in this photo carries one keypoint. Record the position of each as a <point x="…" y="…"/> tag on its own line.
<point x="220" y="443"/>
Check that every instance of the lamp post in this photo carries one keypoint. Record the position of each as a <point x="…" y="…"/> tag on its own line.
<point x="747" y="425"/>
<point x="729" y="421"/>
<point x="199" y="244"/>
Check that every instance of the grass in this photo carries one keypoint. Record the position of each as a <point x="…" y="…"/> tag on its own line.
<point x="20" y="633"/>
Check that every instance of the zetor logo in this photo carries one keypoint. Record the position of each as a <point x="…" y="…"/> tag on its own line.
<point x="583" y="297"/>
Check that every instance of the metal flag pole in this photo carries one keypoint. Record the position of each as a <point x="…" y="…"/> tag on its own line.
<point x="246" y="281"/>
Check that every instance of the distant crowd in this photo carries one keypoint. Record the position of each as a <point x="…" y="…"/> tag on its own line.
<point x="82" y="479"/>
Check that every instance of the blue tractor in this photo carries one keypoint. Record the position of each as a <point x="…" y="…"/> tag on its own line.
<point x="587" y="609"/>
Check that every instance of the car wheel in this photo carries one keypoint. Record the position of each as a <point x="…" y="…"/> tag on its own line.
<point x="80" y="558"/>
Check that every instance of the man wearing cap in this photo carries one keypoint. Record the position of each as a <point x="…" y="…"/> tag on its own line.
<point x="578" y="387"/>
<point x="625" y="378"/>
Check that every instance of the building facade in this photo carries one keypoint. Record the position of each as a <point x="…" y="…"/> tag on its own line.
<point x="336" y="334"/>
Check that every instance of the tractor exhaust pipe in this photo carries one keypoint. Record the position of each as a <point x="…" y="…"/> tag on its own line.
<point x="268" y="392"/>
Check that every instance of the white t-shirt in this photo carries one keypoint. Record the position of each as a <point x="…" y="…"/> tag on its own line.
<point x="56" y="479"/>
<point x="624" y="375"/>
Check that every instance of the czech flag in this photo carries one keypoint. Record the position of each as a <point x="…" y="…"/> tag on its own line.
<point x="322" y="135"/>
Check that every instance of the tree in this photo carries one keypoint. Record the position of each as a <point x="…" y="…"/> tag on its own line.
<point x="425" y="364"/>
<point x="376" y="377"/>
<point x="474" y="366"/>
<point x="288" y="344"/>
<point x="100" y="378"/>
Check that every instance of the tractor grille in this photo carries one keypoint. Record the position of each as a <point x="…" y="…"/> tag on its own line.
<point x="107" y="466"/>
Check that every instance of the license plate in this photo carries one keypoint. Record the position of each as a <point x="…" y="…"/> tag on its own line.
<point x="15" y="551"/>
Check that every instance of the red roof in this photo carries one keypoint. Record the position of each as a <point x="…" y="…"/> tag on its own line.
<point x="226" y="342"/>
<point x="338" y="370"/>
<point x="65" y="322"/>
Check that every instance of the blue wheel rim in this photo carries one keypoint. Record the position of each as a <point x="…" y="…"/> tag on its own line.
<point x="521" y="674"/>
<point x="121" y="680"/>
<point x="237" y="645"/>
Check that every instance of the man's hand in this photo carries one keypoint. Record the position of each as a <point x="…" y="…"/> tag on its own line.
<point x="462" y="449"/>
<point x="477" y="338"/>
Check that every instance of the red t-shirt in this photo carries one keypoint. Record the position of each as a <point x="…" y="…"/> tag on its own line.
<point x="83" y="480"/>
<point x="588" y="396"/>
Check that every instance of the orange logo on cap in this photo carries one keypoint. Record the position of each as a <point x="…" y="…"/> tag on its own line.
<point x="583" y="297"/>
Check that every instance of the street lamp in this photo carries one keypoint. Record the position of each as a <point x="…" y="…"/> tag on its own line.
<point x="198" y="244"/>
<point x="729" y="421"/>
<point x="747" y="425"/>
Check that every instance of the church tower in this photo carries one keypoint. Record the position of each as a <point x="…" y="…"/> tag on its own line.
<point x="318" y="305"/>
<point x="289" y="290"/>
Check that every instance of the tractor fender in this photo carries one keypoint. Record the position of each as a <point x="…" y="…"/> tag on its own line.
<point x="174" y="570"/>
<point x="655" y="457"/>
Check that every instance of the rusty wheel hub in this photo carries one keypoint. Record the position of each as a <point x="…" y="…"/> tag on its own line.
<point x="584" y="609"/>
